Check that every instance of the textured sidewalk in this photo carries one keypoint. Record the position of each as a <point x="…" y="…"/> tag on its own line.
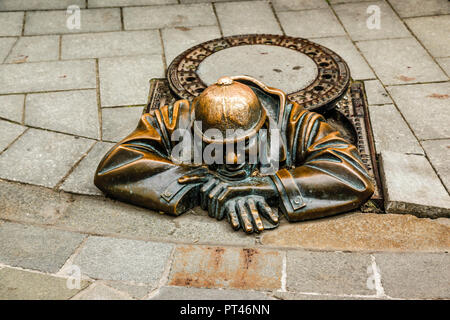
<point x="66" y="96"/>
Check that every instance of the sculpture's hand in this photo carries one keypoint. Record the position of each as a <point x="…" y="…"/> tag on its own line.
<point x="247" y="213"/>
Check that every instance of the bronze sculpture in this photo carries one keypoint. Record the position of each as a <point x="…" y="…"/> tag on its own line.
<point x="275" y="154"/>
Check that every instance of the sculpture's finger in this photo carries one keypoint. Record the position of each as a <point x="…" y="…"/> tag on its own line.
<point x="254" y="214"/>
<point x="204" y="192"/>
<point x="267" y="212"/>
<point x="232" y="215"/>
<point x="212" y="196"/>
<point x="195" y="178"/>
<point x="243" y="214"/>
<point x="221" y="200"/>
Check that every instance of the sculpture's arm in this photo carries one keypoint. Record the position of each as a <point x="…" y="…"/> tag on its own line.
<point x="139" y="168"/>
<point x="328" y="176"/>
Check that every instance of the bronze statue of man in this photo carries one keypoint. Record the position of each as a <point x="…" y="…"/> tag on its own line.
<point x="314" y="173"/>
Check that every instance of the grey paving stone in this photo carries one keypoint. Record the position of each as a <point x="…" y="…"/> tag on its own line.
<point x="346" y="1"/>
<point x="31" y="49"/>
<point x="288" y="5"/>
<point x="376" y="94"/>
<point x="180" y="293"/>
<point x="305" y="23"/>
<point x="125" y="80"/>
<point x="354" y="17"/>
<point x="81" y="180"/>
<point x="425" y="108"/>
<point x="121" y="259"/>
<point x="25" y="285"/>
<point x="136" y="291"/>
<point x="47" y="76"/>
<point x="119" y="122"/>
<point x="246" y="17"/>
<point x="412" y="8"/>
<point x="74" y="112"/>
<point x="55" y="22"/>
<point x="316" y="296"/>
<point x="176" y="40"/>
<point x="11" y="107"/>
<point x="41" y="157"/>
<point x="8" y="132"/>
<point x="278" y="67"/>
<point x="36" y="248"/>
<point x="6" y="5"/>
<point x="11" y="23"/>
<point x="202" y="1"/>
<point x="415" y="275"/>
<point x="5" y="46"/>
<point x="328" y="272"/>
<point x="125" y="3"/>
<point x="31" y="204"/>
<point x="359" y="69"/>
<point x="445" y="64"/>
<point x="411" y="186"/>
<point x="391" y="132"/>
<point x="191" y="15"/>
<point x="108" y="217"/>
<point x="98" y="291"/>
<point x="400" y="61"/>
<point x="431" y="32"/>
<point x="110" y="44"/>
<point x="438" y="151"/>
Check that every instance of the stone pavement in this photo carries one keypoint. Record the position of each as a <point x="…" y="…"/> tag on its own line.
<point x="66" y="95"/>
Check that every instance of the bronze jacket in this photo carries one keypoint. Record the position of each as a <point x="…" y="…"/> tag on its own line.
<point x="321" y="175"/>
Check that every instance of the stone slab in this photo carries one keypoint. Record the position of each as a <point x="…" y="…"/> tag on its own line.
<point x="74" y="112"/>
<point x="176" y="40"/>
<point x="411" y="186"/>
<point x="122" y="259"/>
<point x="24" y="285"/>
<point x="415" y="275"/>
<point x="445" y="64"/>
<point x="110" y="44"/>
<point x="363" y="232"/>
<point x="400" y="61"/>
<point x="355" y="19"/>
<point x="190" y="15"/>
<point x="81" y="180"/>
<point x="36" y="248"/>
<point x="304" y="23"/>
<point x="425" y="108"/>
<point x="134" y="290"/>
<point x="6" y="5"/>
<point x="11" y="23"/>
<point x="11" y="107"/>
<point x="42" y="157"/>
<point x="119" y="122"/>
<point x="375" y="92"/>
<point x="412" y="8"/>
<point x="226" y="267"/>
<point x="431" y="33"/>
<point x="392" y="135"/>
<point x="288" y="5"/>
<point x="125" y="80"/>
<point x="359" y="69"/>
<point x="107" y="217"/>
<point x="438" y="151"/>
<point x="98" y="291"/>
<point x="32" y="49"/>
<point x="55" y="22"/>
<point x="126" y="3"/>
<point x="47" y="76"/>
<point x="5" y="46"/>
<point x="246" y="17"/>
<point x="277" y="67"/>
<point x="182" y="293"/>
<point x="8" y="133"/>
<point x="328" y="272"/>
<point x="31" y="204"/>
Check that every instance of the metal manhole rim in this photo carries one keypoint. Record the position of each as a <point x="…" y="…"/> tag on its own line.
<point x="310" y="96"/>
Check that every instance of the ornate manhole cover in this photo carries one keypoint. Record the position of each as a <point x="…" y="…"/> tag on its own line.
<point x="311" y="74"/>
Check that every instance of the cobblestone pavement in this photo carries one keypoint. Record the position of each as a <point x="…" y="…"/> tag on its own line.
<point x="66" y="95"/>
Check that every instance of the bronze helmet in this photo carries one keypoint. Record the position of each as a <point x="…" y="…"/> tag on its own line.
<point x="228" y="104"/>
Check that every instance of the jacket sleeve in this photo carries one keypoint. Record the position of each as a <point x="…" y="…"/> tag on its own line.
<point x="139" y="168"/>
<point x="327" y="175"/>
